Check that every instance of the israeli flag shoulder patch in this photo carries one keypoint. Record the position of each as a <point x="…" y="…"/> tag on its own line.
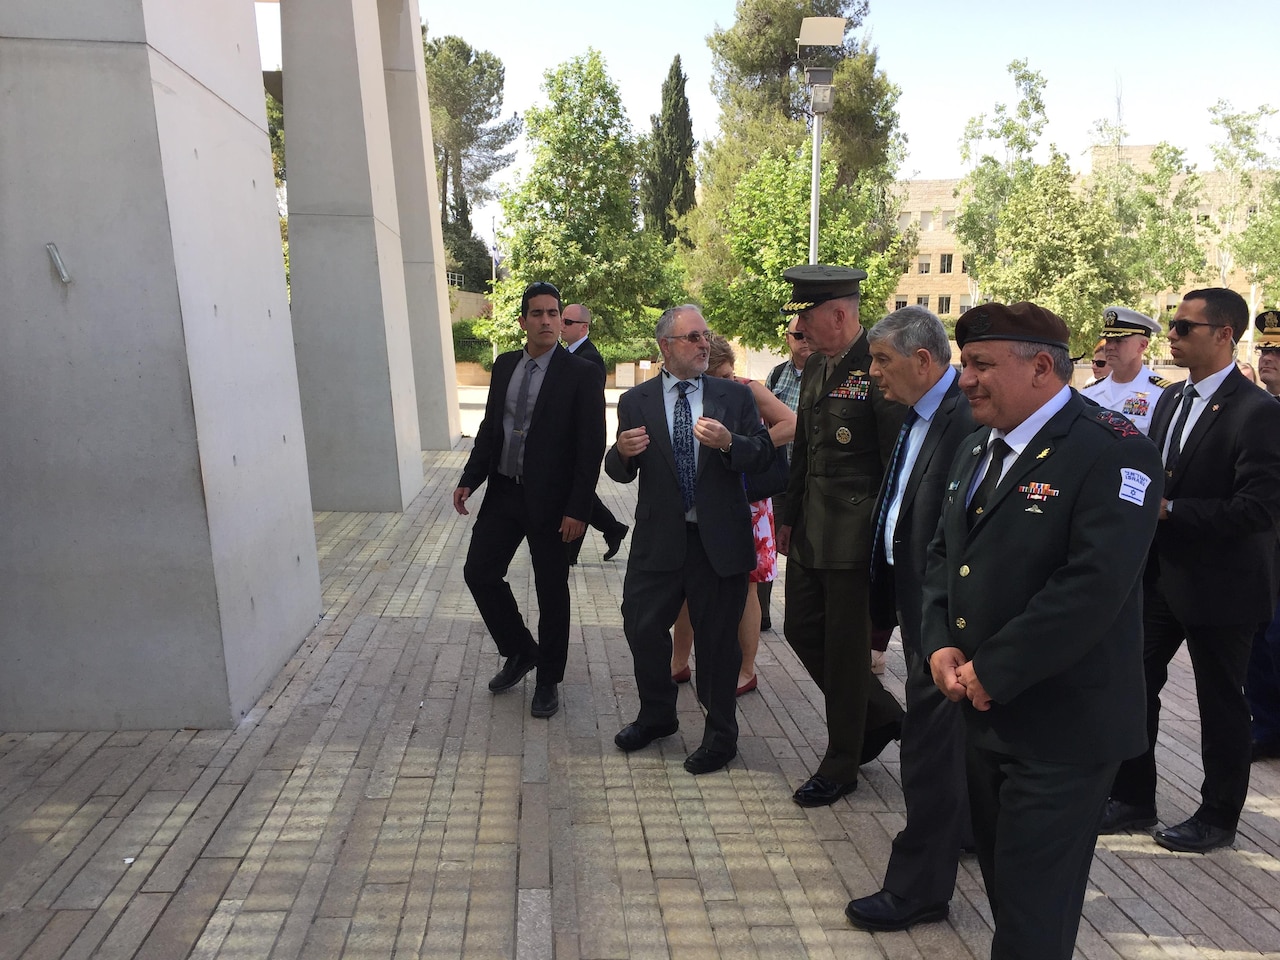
<point x="1133" y="485"/>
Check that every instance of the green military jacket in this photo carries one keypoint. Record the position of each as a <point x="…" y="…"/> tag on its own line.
<point x="845" y="433"/>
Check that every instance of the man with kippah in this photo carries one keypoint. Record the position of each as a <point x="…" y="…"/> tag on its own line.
<point x="845" y="434"/>
<point x="1048" y="511"/>
<point x="1131" y="388"/>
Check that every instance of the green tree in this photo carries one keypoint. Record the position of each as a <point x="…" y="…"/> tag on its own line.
<point x="768" y="231"/>
<point x="1244" y="162"/>
<point x="986" y="189"/>
<point x="1257" y="247"/>
<point x="275" y="136"/>
<point x="1055" y="245"/>
<point x="667" y="190"/>
<point x="465" y="89"/>
<point x="574" y="219"/>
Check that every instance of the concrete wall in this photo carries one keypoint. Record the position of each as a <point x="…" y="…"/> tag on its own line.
<point x="157" y="560"/>
<point x="350" y="311"/>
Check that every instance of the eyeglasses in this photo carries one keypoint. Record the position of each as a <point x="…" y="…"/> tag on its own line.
<point x="569" y="323"/>
<point x="796" y="334"/>
<point x="695" y="338"/>
<point x="1099" y="363"/>
<point x="1183" y="327"/>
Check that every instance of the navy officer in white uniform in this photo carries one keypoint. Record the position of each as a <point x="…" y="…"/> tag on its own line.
<point x="1131" y="388"/>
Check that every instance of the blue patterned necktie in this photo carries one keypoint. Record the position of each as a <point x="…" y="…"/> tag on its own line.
<point x="682" y="445"/>
<point x="895" y="468"/>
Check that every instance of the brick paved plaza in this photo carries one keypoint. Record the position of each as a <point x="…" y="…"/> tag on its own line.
<point x="379" y="802"/>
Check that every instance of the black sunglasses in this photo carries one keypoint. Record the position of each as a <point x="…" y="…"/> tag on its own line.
<point x="1183" y="327"/>
<point x="569" y="323"/>
<point x="797" y="334"/>
<point x="1099" y="363"/>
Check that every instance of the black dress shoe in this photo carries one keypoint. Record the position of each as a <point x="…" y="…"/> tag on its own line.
<point x="635" y="736"/>
<point x="614" y="541"/>
<point x="1194" y="836"/>
<point x="703" y="760"/>
<point x="513" y="671"/>
<point x="1118" y="816"/>
<point x="874" y="741"/>
<point x="818" y="791"/>
<point x="888" y="911"/>
<point x="1264" y="750"/>
<point x="546" y="701"/>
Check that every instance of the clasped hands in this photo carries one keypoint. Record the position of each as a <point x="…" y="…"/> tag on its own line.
<point x="954" y="675"/>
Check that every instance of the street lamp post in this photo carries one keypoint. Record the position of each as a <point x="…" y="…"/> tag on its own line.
<point x="818" y="32"/>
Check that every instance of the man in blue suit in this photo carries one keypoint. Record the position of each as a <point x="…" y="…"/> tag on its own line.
<point x="689" y="438"/>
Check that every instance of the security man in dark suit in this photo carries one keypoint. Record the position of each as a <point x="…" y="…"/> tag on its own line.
<point x="690" y="438"/>
<point x="539" y="446"/>
<point x="845" y="434"/>
<point x="1048" y="512"/>
<point x="1262" y="684"/>
<point x="1211" y="576"/>
<point x="910" y="360"/>
<point x="577" y="340"/>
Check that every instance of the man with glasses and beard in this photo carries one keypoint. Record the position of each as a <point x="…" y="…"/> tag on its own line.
<point x="689" y="438"/>
<point x="1210" y="574"/>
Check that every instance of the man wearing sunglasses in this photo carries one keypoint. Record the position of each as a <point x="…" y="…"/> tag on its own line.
<point x="539" y="447"/>
<point x="1209" y="578"/>
<point x="689" y="438"/>
<point x="1131" y="387"/>
<point x="784" y="383"/>
<point x="577" y="325"/>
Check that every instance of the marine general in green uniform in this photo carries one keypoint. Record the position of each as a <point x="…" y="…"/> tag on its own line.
<point x="845" y="434"/>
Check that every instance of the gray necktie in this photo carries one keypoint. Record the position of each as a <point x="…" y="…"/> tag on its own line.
<point x="521" y="423"/>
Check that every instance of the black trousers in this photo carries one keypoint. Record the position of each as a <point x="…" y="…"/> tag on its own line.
<point x="503" y="522"/>
<point x="926" y="853"/>
<point x="828" y="625"/>
<point x="601" y="518"/>
<point x="1219" y="660"/>
<point x="650" y="603"/>
<point x="1035" y="824"/>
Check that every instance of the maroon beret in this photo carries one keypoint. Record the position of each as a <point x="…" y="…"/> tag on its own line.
<point x="1015" y="321"/>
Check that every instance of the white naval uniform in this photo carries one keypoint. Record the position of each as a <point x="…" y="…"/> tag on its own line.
<point x="1135" y="399"/>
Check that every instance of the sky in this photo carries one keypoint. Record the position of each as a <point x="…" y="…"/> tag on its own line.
<point x="1165" y="62"/>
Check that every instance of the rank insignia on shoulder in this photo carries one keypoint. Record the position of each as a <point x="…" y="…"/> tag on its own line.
<point x="1160" y="381"/>
<point x="1117" y="422"/>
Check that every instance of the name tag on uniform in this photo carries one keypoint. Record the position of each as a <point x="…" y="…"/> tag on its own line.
<point x="1133" y="486"/>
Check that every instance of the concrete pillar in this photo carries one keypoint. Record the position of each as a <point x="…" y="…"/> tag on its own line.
<point x="157" y="552"/>
<point x="418" y="195"/>
<point x="350" y="311"/>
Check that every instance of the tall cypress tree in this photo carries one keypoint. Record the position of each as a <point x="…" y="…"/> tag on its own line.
<point x="667" y="190"/>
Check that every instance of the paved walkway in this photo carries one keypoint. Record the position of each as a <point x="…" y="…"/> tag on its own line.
<point x="379" y="802"/>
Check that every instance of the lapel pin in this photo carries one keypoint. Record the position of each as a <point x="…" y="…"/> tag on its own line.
<point x="1216" y="407"/>
<point x="977" y="450"/>
<point x="1042" y="454"/>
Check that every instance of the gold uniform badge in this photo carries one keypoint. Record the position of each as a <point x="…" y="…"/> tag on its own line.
<point x="843" y="435"/>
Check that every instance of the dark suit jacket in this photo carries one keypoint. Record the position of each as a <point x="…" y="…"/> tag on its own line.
<point x="565" y="441"/>
<point x="724" y="517"/>
<point x="899" y="588"/>
<point x="1044" y="594"/>
<point x="1214" y="557"/>
<point x="587" y="351"/>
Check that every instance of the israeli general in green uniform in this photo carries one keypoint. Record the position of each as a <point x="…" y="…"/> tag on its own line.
<point x="845" y="434"/>
<point x="1032" y="616"/>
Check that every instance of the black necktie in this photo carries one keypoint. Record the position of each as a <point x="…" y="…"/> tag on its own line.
<point x="1175" y="438"/>
<point x="982" y="496"/>
<point x="891" y="484"/>
<point x="682" y="445"/>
